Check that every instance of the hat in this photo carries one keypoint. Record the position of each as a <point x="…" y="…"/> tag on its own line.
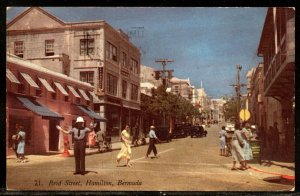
<point x="253" y="127"/>
<point x="152" y="127"/>
<point x="79" y="119"/>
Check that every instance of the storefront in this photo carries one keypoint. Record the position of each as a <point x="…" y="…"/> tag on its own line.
<point x="39" y="99"/>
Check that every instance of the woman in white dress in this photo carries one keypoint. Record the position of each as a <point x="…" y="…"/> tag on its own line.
<point x="237" y="150"/>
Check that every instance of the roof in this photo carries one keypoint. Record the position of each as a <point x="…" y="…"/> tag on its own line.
<point x="147" y="85"/>
<point x="24" y="63"/>
<point x="28" y="10"/>
<point x="177" y="80"/>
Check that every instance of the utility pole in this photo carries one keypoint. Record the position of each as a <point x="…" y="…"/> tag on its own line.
<point x="237" y="87"/>
<point x="162" y="73"/>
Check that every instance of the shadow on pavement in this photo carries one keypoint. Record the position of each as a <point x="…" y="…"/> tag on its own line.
<point x="270" y="163"/>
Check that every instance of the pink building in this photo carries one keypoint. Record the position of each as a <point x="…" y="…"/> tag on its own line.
<point x="39" y="99"/>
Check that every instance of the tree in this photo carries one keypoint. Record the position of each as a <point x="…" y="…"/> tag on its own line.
<point x="230" y="108"/>
<point x="168" y="103"/>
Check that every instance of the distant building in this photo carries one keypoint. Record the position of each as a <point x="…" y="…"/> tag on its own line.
<point x="92" y="52"/>
<point x="217" y="110"/>
<point x="148" y="81"/>
<point x="182" y="87"/>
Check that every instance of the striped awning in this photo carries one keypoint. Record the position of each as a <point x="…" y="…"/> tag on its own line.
<point x="30" y="81"/>
<point x="84" y="94"/>
<point x="95" y="98"/>
<point x="61" y="89"/>
<point x="39" y="109"/>
<point x="73" y="91"/>
<point x="12" y="77"/>
<point x="47" y="85"/>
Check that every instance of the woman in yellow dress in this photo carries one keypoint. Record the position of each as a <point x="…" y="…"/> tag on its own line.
<point x="125" y="151"/>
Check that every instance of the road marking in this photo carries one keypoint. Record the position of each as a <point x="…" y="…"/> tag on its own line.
<point x="134" y="160"/>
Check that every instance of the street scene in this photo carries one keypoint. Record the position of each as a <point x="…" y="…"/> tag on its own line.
<point x="184" y="164"/>
<point x="150" y="99"/>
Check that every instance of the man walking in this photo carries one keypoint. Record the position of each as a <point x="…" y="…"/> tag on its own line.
<point x="153" y="139"/>
<point x="100" y="135"/>
<point x="79" y="132"/>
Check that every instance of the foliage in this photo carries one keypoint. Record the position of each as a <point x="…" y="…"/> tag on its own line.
<point x="230" y="108"/>
<point x="171" y="104"/>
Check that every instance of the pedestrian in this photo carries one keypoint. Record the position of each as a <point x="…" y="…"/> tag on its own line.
<point x="246" y="135"/>
<point x="125" y="151"/>
<point x="135" y="134"/>
<point x="15" y="140"/>
<point x="228" y="138"/>
<point x="21" y="144"/>
<point x="237" y="151"/>
<point x="222" y="134"/>
<point x="275" y="138"/>
<point x="152" y="141"/>
<point x="91" y="139"/>
<point x="79" y="132"/>
<point x="100" y="135"/>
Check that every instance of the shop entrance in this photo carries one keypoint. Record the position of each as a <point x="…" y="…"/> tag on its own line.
<point x="53" y="135"/>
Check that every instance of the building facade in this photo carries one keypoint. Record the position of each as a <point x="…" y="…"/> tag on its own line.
<point x="39" y="99"/>
<point x="277" y="47"/>
<point x="92" y="52"/>
<point x="182" y="87"/>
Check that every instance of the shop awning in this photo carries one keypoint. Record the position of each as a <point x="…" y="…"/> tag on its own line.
<point x="39" y="109"/>
<point x="73" y="91"/>
<point x="30" y="81"/>
<point x="11" y="77"/>
<point x="61" y="89"/>
<point x="47" y="85"/>
<point x="84" y="94"/>
<point x="95" y="98"/>
<point x="91" y="113"/>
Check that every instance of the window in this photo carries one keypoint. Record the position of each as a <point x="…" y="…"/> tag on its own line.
<point x="87" y="76"/>
<point x="87" y="46"/>
<point x="19" y="49"/>
<point x="111" y="52"/>
<point x="124" y="60"/>
<point x="176" y="89"/>
<point x="134" y="66"/>
<point x="112" y="82"/>
<point x="124" y="89"/>
<point x="134" y="92"/>
<point x="49" y="47"/>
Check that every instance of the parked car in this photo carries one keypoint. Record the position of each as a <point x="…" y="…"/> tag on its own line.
<point x="162" y="132"/>
<point x="179" y="131"/>
<point x="198" y="131"/>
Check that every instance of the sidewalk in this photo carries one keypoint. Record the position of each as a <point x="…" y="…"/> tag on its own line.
<point x="36" y="158"/>
<point x="273" y="168"/>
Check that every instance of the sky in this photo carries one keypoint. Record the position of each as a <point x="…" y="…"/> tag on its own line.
<point x="205" y="43"/>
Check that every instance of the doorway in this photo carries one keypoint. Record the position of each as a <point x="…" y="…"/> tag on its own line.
<point x="53" y="135"/>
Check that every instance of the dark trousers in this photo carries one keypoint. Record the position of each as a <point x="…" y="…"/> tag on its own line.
<point x="152" y="147"/>
<point x="79" y="153"/>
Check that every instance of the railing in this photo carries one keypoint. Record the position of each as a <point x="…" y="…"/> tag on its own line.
<point x="284" y="55"/>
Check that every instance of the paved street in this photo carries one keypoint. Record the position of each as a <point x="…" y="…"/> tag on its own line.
<point x="187" y="164"/>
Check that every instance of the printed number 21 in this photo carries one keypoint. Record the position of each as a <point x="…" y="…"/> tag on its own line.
<point x="37" y="182"/>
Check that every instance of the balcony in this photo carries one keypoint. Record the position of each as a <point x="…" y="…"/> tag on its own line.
<point x="279" y="78"/>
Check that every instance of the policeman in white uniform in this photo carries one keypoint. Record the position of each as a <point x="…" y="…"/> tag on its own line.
<point x="79" y="132"/>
